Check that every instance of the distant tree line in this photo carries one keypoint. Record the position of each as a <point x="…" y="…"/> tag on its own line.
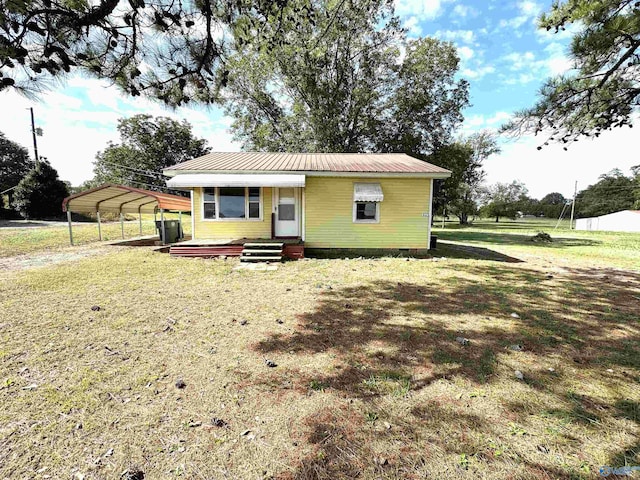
<point x="465" y="196"/>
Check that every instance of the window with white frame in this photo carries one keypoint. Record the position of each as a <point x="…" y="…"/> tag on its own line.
<point x="209" y="203"/>
<point x="232" y="203"/>
<point x="366" y="212"/>
<point x="366" y="202"/>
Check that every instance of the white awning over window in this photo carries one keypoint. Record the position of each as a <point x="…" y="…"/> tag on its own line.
<point x="367" y="192"/>
<point x="236" y="180"/>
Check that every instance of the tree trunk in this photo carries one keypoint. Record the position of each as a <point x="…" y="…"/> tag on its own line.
<point x="497" y="218"/>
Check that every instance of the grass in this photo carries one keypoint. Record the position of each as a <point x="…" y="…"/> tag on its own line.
<point x="19" y="241"/>
<point x="370" y="381"/>
<point x="508" y="237"/>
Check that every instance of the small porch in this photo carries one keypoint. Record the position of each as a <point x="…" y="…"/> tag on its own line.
<point x="248" y="249"/>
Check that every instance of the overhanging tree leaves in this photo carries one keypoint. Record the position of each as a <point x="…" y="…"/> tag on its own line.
<point x="172" y="51"/>
<point x="604" y="90"/>
<point x="148" y="144"/>
<point x="338" y="85"/>
<point x="14" y="165"/>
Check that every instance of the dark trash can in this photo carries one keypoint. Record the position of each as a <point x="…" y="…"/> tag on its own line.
<point x="172" y="231"/>
<point x="434" y="242"/>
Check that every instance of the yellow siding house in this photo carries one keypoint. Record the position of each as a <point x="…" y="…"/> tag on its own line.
<point x="324" y="201"/>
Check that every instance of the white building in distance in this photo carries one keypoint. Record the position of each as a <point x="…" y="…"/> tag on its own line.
<point x="624" y="221"/>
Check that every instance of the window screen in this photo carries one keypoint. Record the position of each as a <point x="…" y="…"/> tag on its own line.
<point x="366" y="211"/>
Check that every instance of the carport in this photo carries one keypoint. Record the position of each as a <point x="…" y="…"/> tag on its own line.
<point x="120" y="199"/>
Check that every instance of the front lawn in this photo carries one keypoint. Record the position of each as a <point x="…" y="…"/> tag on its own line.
<point x="17" y="239"/>
<point x="386" y="368"/>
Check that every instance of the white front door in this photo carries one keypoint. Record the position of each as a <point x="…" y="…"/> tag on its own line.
<point x="287" y="212"/>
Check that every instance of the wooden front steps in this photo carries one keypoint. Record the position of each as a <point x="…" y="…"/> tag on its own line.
<point x="274" y="250"/>
<point x="262" y="252"/>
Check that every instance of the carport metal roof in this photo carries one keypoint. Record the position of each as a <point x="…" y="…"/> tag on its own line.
<point x="122" y="199"/>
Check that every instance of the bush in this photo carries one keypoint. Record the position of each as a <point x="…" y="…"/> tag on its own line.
<point x="542" y="237"/>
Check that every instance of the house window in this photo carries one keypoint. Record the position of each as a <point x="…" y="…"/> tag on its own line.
<point x="366" y="202"/>
<point x="231" y="203"/>
<point x="209" y="203"/>
<point x="367" y="212"/>
<point x="254" y="202"/>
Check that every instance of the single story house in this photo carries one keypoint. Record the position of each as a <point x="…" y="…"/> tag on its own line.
<point x="326" y="201"/>
<point x="623" y="221"/>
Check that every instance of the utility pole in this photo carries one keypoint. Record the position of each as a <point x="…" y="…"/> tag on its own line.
<point x="33" y="132"/>
<point x="573" y="205"/>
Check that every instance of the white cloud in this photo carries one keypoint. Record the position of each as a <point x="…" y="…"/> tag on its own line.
<point x="519" y="61"/>
<point x="465" y="53"/>
<point x="412" y="24"/>
<point x="478" y="122"/>
<point x="421" y="9"/>
<point x="464" y="11"/>
<point x="477" y="73"/>
<point x="529" y="68"/>
<point x="528" y="12"/>
<point x="529" y="8"/>
<point x="463" y="36"/>
<point x="554" y="170"/>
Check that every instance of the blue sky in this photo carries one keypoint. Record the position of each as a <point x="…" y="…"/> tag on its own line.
<point x="504" y="57"/>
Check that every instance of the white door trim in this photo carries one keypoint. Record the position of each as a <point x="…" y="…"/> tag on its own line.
<point x="296" y="221"/>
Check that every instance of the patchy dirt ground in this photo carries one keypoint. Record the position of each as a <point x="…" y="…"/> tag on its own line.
<point x="43" y="259"/>
<point x="323" y="369"/>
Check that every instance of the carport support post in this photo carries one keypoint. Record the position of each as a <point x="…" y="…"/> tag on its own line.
<point x="162" y="235"/>
<point x="99" y="227"/>
<point x="122" y="224"/>
<point x="140" y="220"/>
<point x="180" y="223"/>
<point x="70" y="231"/>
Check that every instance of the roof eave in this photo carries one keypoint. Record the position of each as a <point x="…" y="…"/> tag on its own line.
<point x="314" y="173"/>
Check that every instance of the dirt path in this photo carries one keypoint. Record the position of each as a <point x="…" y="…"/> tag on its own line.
<point x="43" y="259"/>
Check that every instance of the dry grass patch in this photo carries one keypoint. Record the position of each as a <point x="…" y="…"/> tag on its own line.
<point x="370" y="381"/>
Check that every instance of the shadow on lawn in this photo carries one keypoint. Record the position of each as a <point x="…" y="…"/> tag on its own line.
<point x="392" y="338"/>
<point x="444" y="249"/>
<point x="469" y="236"/>
<point x="20" y="224"/>
<point x="453" y="250"/>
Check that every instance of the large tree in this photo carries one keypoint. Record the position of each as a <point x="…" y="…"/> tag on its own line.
<point x="349" y="82"/>
<point x="504" y="199"/>
<point x="552" y="204"/>
<point x="147" y="145"/>
<point x="14" y="165"/>
<point x="603" y="91"/>
<point x="460" y="193"/>
<point x="613" y="192"/>
<point x="40" y="193"/>
<point x="172" y="51"/>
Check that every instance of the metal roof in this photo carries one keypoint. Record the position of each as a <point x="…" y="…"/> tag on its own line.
<point x="122" y="199"/>
<point x="399" y="163"/>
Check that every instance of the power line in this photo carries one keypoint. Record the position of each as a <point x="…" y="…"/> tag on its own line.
<point x="147" y="173"/>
